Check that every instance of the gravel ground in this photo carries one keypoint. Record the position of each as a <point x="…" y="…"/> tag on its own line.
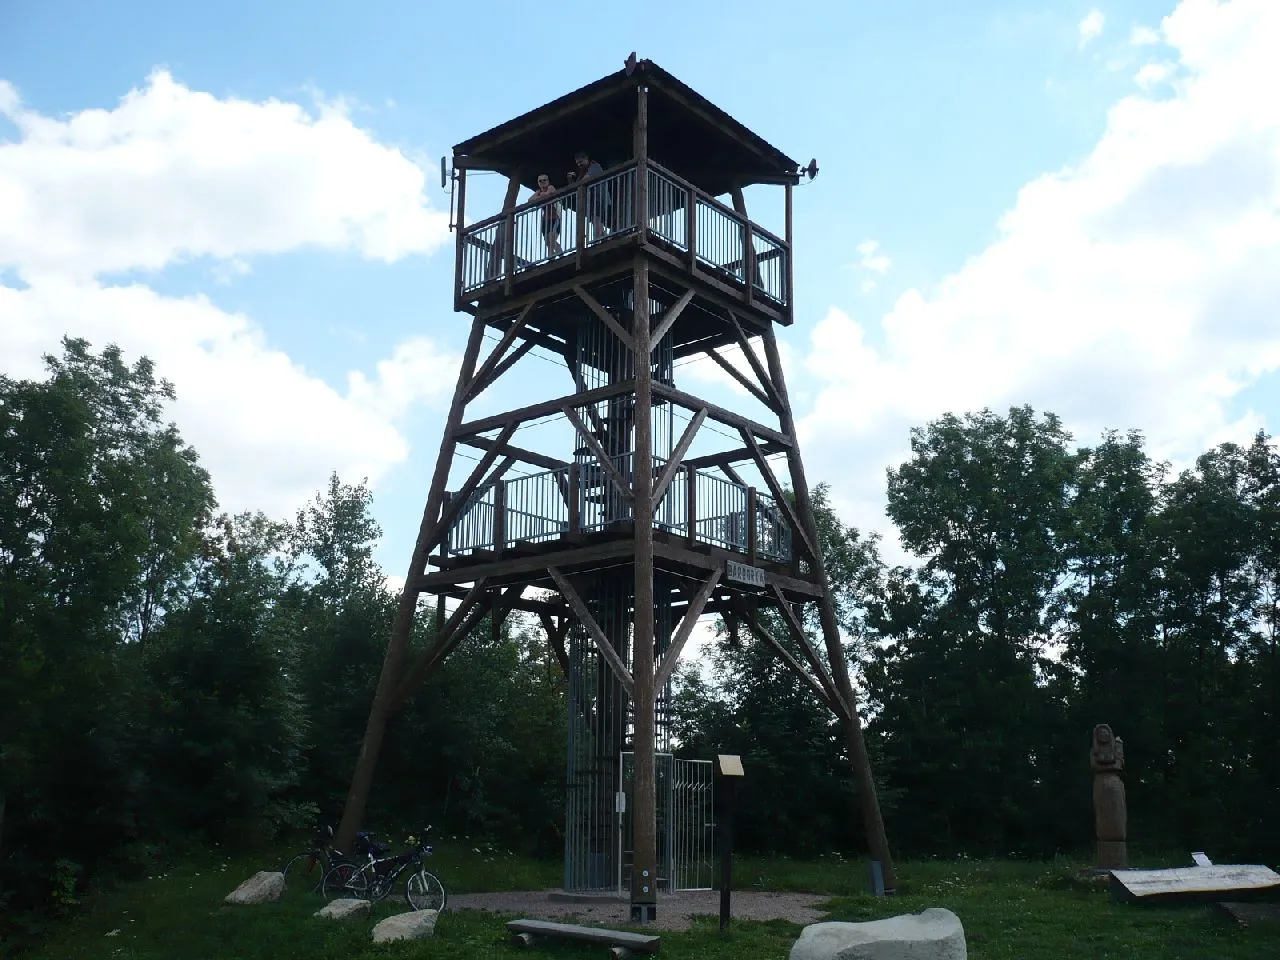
<point x="674" y="912"/>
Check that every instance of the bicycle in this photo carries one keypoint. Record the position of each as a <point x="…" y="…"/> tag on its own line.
<point x="329" y="857"/>
<point x="423" y="890"/>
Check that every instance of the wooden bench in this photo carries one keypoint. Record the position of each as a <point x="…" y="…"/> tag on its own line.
<point x="622" y="943"/>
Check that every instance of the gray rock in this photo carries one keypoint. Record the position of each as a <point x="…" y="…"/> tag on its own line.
<point x="406" y="926"/>
<point x="345" y="909"/>
<point x="934" y="934"/>
<point x="264" y="886"/>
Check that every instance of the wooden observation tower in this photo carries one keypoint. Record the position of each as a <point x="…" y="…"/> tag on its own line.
<point x="626" y="516"/>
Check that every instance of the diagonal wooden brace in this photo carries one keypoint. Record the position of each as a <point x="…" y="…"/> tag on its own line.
<point x="695" y="608"/>
<point x="589" y="623"/>
<point x="491" y="361"/>
<point x="797" y="528"/>
<point x="669" y="319"/>
<point x="673" y="465"/>
<point x="606" y="463"/>
<point x="810" y="652"/>
<point x="605" y="317"/>
<point x="835" y="706"/>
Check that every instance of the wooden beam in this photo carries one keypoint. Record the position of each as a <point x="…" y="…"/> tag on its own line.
<point x="434" y="655"/>
<point x="732" y="474"/>
<point x="536" y="410"/>
<point x="710" y="558"/>
<point x="747" y="385"/>
<point x="644" y="871"/>
<point x="459" y="500"/>
<point x="810" y="654"/>
<point x="546" y="115"/>
<point x="398" y="645"/>
<point x="460" y="244"/>
<point x="496" y="354"/>
<point x="673" y="464"/>
<point x="778" y="494"/>
<point x="589" y="623"/>
<point x="737" y="455"/>
<point x="719" y="414"/>
<point x="606" y="462"/>
<point x="692" y="613"/>
<point x="669" y="318"/>
<point x="555" y="640"/>
<point x="524" y="456"/>
<point x="872" y="818"/>
<point x="501" y="320"/>
<point x="788" y="276"/>
<point x="605" y="317"/>
<point x="766" y="382"/>
<point x="504" y="366"/>
<point x="768" y="639"/>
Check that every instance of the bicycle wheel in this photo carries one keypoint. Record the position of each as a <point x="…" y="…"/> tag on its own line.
<point x="424" y="891"/>
<point x="345" y="882"/>
<point x="304" y="873"/>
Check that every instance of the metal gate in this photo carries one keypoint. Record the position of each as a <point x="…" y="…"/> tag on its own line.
<point x="685" y="822"/>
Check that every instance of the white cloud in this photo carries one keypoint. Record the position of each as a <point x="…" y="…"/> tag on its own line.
<point x="1091" y="27"/>
<point x="871" y="260"/>
<point x="1135" y="289"/>
<point x="267" y="430"/>
<point x="1143" y="37"/>
<point x="1153" y="74"/>
<point x="172" y="174"/>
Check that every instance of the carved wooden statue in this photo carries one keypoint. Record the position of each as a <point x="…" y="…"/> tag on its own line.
<point x="1110" y="815"/>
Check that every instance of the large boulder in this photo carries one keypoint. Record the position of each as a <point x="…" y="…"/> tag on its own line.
<point x="406" y="926"/>
<point x="934" y="934"/>
<point x="263" y="887"/>
<point x="345" y="909"/>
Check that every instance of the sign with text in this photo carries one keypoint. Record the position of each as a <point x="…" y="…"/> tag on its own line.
<point x="744" y="573"/>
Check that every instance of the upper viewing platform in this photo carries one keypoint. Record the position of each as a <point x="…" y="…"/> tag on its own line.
<point x="635" y="159"/>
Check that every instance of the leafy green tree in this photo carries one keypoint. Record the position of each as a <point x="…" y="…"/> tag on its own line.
<point x="98" y="498"/>
<point x="228" y="724"/>
<point x="963" y="710"/>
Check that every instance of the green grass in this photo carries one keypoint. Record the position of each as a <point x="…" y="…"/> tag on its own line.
<point x="1010" y="909"/>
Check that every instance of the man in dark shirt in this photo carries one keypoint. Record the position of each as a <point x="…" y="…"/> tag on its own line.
<point x="597" y="201"/>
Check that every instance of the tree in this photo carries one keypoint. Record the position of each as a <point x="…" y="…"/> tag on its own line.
<point x="97" y="500"/>
<point x="963" y="710"/>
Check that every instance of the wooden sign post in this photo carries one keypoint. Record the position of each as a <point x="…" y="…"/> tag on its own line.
<point x="729" y="767"/>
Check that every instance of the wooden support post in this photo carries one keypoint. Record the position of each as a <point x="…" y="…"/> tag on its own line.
<point x="691" y="505"/>
<point x="788" y="297"/>
<point x="873" y="821"/>
<point x="575" y="498"/>
<point x="509" y="232"/>
<point x="752" y="532"/>
<point x="644" y="872"/>
<point x="642" y="163"/>
<point x="384" y="699"/>
<point x="691" y="227"/>
<point x="459" y="255"/>
<point x="499" y="518"/>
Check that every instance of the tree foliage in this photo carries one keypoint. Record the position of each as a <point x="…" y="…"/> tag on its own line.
<point x="168" y="671"/>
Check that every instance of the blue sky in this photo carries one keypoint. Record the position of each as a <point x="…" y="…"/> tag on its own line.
<point x="928" y="119"/>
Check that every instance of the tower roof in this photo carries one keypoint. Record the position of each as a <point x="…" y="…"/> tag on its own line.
<point x="688" y="134"/>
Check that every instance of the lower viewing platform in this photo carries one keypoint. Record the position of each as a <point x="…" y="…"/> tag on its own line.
<point x="583" y="498"/>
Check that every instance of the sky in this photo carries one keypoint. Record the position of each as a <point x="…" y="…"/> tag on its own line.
<point x="1067" y="205"/>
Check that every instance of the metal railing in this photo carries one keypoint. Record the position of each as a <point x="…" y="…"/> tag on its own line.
<point x="584" y="498"/>
<point x="725" y="244"/>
